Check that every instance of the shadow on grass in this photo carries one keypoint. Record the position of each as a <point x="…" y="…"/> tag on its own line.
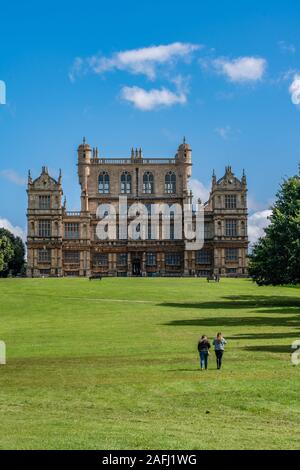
<point x="244" y="302"/>
<point x="185" y="370"/>
<point x="257" y="336"/>
<point x="280" y="305"/>
<point x="274" y="348"/>
<point x="219" y="322"/>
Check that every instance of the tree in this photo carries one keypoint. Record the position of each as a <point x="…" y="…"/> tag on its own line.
<point x="6" y="252"/>
<point x="276" y="257"/>
<point x="17" y="262"/>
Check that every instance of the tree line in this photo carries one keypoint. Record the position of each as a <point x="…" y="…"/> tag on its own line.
<point x="275" y="259"/>
<point x="12" y="254"/>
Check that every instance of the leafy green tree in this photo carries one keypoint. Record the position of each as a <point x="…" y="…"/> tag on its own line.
<point x="6" y="252"/>
<point x="17" y="262"/>
<point x="276" y="257"/>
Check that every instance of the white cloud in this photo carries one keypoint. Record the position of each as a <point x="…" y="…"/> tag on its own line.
<point x="137" y="61"/>
<point x="224" y="96"/>
<point x="15" y="229"/>
<point x="13" y="177"/>
<point x="286" y="47"/>
<point x="223" y="132"/>
<point x="295" y="90"/>
<point x="155" y="98"/>
<point x="76" y="68"/>
<point x="199" y="190"/>
<point x="243" y="69"/>
<point x="256" y="224"/>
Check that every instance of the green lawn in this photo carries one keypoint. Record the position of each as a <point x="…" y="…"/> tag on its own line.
<point x="113" y="365"/>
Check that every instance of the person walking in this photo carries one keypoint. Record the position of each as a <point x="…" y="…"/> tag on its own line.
<point x="219" y="344"/>
<point x="203" y="348"/>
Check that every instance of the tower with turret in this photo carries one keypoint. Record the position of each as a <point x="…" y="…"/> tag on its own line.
<point x="228" y="206"/>
<point x="44" y="225"/>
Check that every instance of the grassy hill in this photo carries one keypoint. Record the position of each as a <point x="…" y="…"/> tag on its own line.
<point x="113" y="365"/>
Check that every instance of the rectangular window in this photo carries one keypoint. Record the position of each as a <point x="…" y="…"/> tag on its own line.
<point x="172" y="230"/>
<point x="203" y="257"/>
<point x="170" y="188"/>
<point x="71" y="230"/>
<point x="230" y="201"/>
<point x="149" y="230"/>
<point x="151" y="259"/>
<point x="231" y="254"/>
<point x="44" y="202"/>
<point x="100" y="259"/>
<point x="231" y="228"/>
<point x="72" y="257"/>
<point x="44" y="228"/>
<point x="44" y="256"/>
<point x="173" y="259"/>
<point x="72" y="273"/>
<point x="45" y="272"/>
<point x="104" y="183"/>
<point x="122" y="259"/>
<point x="208" y="231"/>
<point x="204" y="273"/>
<point x="231" y="270"/>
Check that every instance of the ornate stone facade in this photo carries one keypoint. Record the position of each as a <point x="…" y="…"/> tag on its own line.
<point x="63" y="243"/>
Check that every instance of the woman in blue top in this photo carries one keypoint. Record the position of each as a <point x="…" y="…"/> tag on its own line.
<point x="219" y="344"/>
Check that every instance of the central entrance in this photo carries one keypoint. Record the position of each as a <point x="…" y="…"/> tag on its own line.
<point x="136" y="267"/>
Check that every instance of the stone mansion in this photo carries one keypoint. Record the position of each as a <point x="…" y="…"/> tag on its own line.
<point x="64" y="243"/>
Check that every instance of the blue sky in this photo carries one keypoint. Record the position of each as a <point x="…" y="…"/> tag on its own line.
<point x="225" y="74"/>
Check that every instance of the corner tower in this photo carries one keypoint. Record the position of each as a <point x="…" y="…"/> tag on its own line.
<point x="44" y="219"/>
<point x="228" y="202"/>
<point x="84" y="161"/>
<point x="183" y="158"/>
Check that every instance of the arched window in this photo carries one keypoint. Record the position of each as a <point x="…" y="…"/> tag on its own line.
<point x="170" y="183"/>
<point x="125" y="183"/>
<point x="104" y="183"/>
<point x="148" y="183"/>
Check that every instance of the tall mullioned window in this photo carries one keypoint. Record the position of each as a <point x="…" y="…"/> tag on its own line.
<point x="231" y="227"/>
<point x="203" y="257"/>
<point x="170" y="183"/>
<point x="44" y="228"/>
<point x="231" y="270"/>
<point x="104" y="183"/>
<point x="148" y="183"/>
<point x="172" y="229"/>
<point x="230" y="201"/>
<point x="100" y="259"/>
<point x="44" y="256"/>
<point x="173" y="259"/>
<point x="208" y="231"/>
<point x="72" y="257"/>
<point x="122" y="259"/>
<point x="151" y="259"/>
<point x="44" y="202"/>
<point x="231" y="254"/>
<point x="72" y="230"/>
<point x="125" y="183"/>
